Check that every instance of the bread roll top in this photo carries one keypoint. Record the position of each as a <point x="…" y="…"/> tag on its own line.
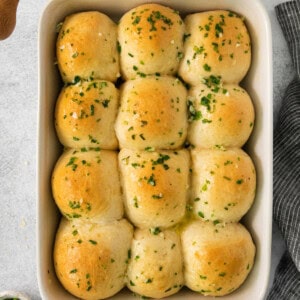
<point x="85" y="115"/>
<point x="223" y="184"/>
<point x="152" y="114"/>
<point x="216" y="43"/>
<point x="91" y="260"/>
<point x="86" y="185"/>
<point x="155" y="268"/>
<point x="219" y="115"/>
<point x="217" y="259"/>
<point x="87" y="47"/>
<point x="155" y="186"/>
<point x="151" y="41"/>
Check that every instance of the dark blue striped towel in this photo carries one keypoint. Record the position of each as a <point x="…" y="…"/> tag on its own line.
<point x="286" y="180"/>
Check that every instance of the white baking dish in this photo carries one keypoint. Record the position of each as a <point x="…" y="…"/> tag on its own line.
<point x="259" y="85"/>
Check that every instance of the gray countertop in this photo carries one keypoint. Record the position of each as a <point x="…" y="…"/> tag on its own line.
<point x="18" y="132"/>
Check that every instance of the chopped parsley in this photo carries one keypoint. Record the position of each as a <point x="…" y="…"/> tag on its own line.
<point x="74" y="204"/>
<point x="158" y="196"/>
<point x="207" y="68"/>
<point x="93" y="242"/>
<point x="194" y="115"/>
<point x="71" y="163"/>
<point x="201" y="214"/>
<point x="151" y="180"/>
<point x="155" y="230"/>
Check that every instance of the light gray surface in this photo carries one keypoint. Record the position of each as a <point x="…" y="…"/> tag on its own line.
<point x="18" y="133"/>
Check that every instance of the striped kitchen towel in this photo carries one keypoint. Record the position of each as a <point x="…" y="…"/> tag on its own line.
<point x="286" y="179"/>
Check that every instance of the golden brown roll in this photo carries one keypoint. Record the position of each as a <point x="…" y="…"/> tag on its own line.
<point x="217" y="259"/>
<point x="87" y="47"/>
<point x="223" y="184"/>
<point x="220" y="115"/>
<point x="155" y="268"/>
<point x="151" y="41"/>
<point x="85" y="185"/>
<point x="216" y="43"/>
<point x="152" y="114"/>
<point x="155" y="186"/>
<point x="85" y="115"/>
<point x="91" y="260"/>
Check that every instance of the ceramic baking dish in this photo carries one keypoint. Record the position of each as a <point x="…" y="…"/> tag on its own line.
<point x="259" y="85"/>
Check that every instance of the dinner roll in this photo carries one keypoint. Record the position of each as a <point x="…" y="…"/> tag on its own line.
<point x="85" y="184"/>
<point x="85" y="115"/>
<point x="87" y="47"/>
<point x="152" y="114"/>
<point x="223" y="184"/>
<point x="155" y="186"/>
<point x="220" y="115"/>
<point x="151" y="41"/>
<point x="155" y="268"/>
<point x="217" y="259"/>
<point x="216" y="43"/>
<point x="91" y="260"/>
